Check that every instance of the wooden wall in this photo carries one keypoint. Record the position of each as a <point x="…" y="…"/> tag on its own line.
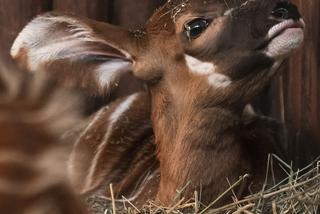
<point x="294" y="97"/>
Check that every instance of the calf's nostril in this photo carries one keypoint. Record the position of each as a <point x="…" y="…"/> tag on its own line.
<point x="280" y="13"/>
<point x="285" y="10"/>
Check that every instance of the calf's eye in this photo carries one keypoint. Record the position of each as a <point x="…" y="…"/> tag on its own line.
<point x="196" y="27"/>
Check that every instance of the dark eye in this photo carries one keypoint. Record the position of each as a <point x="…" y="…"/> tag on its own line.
<point x="194" y="28"/>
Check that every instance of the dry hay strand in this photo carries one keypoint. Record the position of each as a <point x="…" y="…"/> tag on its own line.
<point x="298" y="193"/>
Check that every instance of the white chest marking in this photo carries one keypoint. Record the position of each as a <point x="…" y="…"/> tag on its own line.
<point x="198" y="67"/>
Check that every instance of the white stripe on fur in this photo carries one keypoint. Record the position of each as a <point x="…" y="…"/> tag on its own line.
<point x="114" y="117"/>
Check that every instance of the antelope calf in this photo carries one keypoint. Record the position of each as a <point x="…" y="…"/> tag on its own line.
<point x="202" y="62"/>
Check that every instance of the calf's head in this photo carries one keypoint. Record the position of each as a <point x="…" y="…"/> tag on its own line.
<point x="211" y="52"/>
<point x="198" y="54"/>
<point x="198" y="45"/>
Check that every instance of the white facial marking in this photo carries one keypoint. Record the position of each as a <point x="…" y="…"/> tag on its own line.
<point x="198" y="67"/>
<point x="219" y="80"/>
<point x="215" y="79"/>
<point x="114" y="117"/>
<point x="108" y="72"/>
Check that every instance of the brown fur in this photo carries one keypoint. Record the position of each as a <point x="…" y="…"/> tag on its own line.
<point x="200" y="132"/>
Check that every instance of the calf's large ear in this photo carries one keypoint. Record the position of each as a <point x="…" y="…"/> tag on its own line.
<point x="87" y="54"/>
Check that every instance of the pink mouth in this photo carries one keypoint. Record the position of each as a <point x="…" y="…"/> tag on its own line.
<point x="278" y="29"/>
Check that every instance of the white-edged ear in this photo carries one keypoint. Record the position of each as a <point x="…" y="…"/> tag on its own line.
<point x="88" y="54"/>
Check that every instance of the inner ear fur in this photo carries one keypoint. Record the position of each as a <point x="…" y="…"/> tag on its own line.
<point x="80" y="52"/>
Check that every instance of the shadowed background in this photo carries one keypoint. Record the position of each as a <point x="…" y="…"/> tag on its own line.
<point x="293" y="97"/>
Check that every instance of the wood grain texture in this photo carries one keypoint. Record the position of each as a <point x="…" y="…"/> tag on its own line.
<point x="133" y="14"/>
<point x="297" y="91"/>
<point x="100" y="10"/>
<point x="14" y="14"/>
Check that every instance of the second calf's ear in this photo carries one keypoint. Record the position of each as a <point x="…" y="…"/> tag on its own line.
<point x="89" y="54"/>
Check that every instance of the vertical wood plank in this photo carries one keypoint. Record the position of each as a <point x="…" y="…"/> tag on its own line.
<point x="127" y="13"/>
<point x="15" y="14"/>
<point x="298" y="90"/>
<point x="133" y="14"/>
<point x="100" y="10"/>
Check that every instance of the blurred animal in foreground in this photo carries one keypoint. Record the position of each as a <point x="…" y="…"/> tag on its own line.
<point x="34" y="112"/>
